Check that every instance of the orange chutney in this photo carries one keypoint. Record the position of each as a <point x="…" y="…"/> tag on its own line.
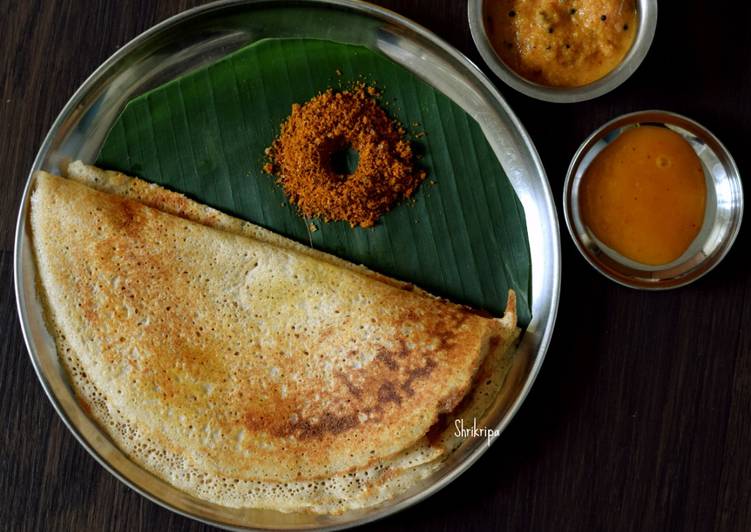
<point x="561" y="43"/>
<point x="644" y="195"/>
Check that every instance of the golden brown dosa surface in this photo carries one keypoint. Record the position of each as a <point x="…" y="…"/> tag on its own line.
<point x="367" y="486"/>
<point x="258" y="362"/>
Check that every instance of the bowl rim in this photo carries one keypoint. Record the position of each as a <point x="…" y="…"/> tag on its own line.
<point x="544" y="325"/>
<point x="668" y="118"/>
<point x="647" y="26"/>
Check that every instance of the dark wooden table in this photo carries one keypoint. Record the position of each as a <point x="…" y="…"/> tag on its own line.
<point x="641" y="416"/>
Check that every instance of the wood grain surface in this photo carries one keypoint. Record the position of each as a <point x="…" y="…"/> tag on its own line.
<point x="641" y="416"/>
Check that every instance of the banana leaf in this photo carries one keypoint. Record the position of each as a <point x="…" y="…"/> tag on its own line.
<point x="462" y="236"/>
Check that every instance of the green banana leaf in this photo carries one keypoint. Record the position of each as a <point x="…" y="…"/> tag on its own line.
<point x="462" y="236"/>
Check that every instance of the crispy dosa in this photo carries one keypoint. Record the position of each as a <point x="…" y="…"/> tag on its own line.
<point x="240" y="355"/>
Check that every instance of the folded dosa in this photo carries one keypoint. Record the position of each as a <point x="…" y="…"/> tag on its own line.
<point x="249" y="358"/>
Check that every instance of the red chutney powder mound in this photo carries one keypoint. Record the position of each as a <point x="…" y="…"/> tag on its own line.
<point x="302" y="158"/>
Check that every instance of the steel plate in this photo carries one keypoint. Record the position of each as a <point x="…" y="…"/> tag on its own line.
<point x="203" y="35"/>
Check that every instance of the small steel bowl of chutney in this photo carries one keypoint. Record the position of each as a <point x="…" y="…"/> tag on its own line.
<point x="563" y="51"/>
<point x="653" y="200"/>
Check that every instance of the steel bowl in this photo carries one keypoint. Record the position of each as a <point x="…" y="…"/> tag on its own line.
<point x="646" y="26"/>
<point x="203" y="35"/>
<point x="722" y="216"/>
